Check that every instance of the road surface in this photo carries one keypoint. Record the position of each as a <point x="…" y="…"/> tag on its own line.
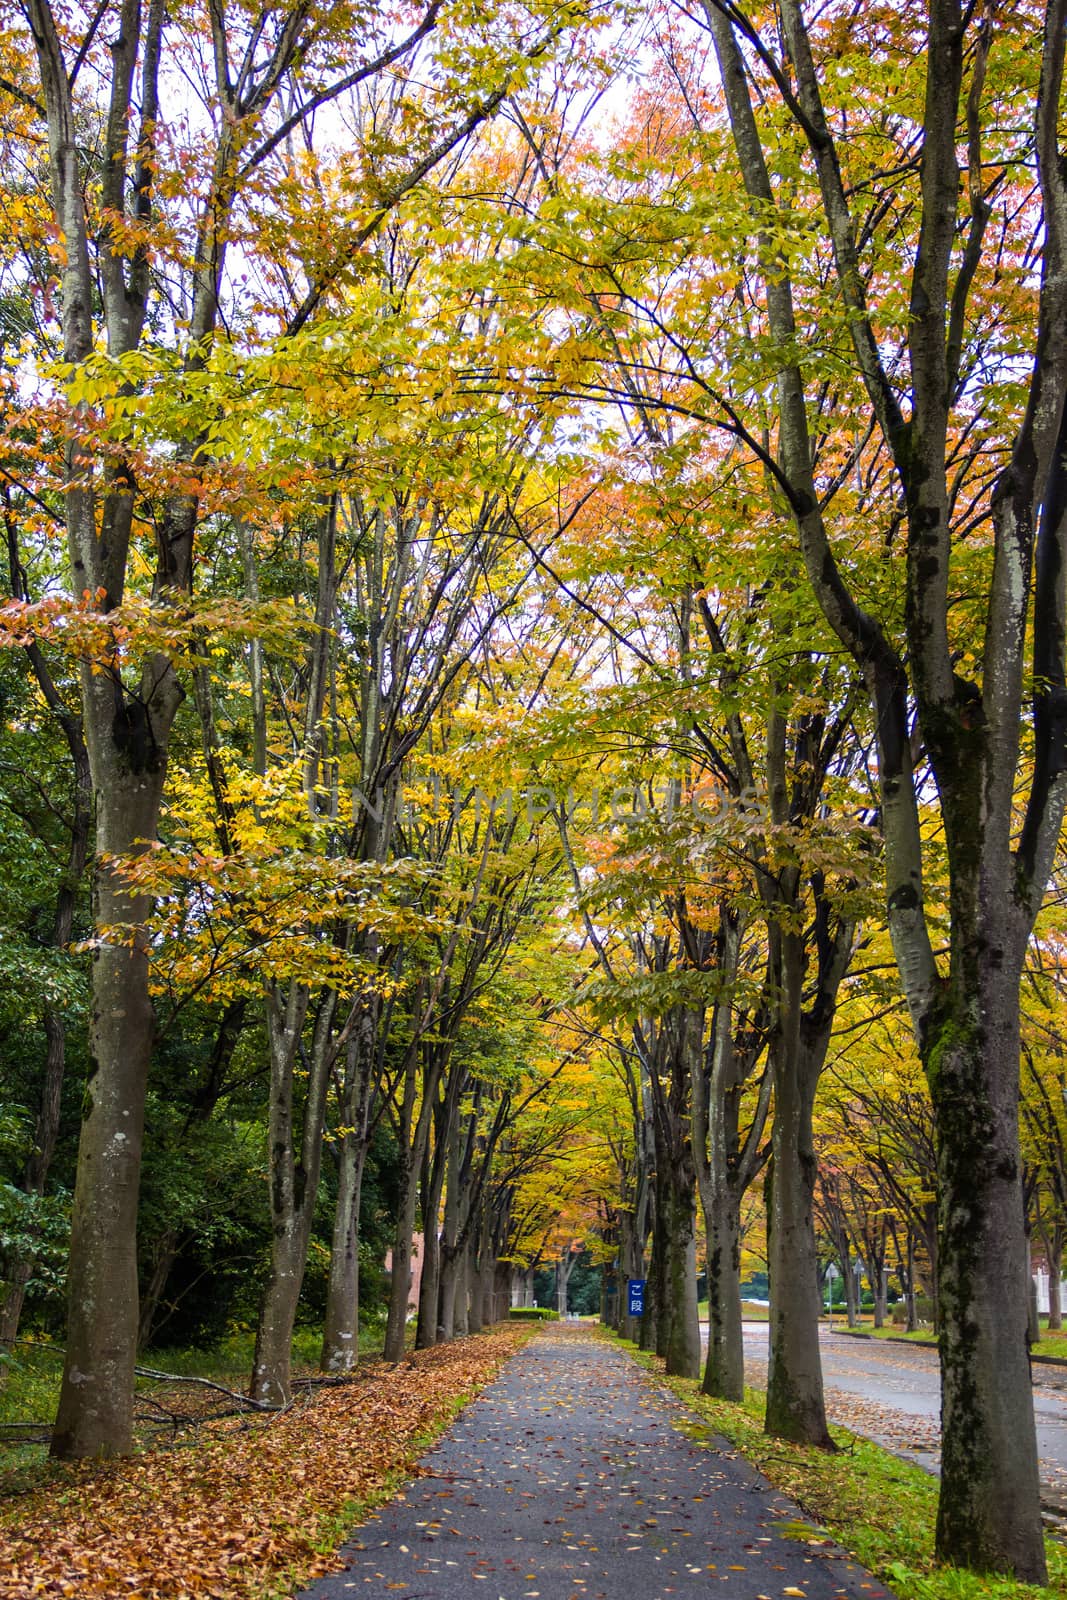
<point x="891" y="1392"/>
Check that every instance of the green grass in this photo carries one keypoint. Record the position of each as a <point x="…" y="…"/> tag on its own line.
<point x="1050" y="1344"/>
<point x="878" y="1507"/>
<point x="890" y="1331"/>
<point x="29" y="1389"/>
<point x="29" y="1386"/>
<point x="749" y="1310"/>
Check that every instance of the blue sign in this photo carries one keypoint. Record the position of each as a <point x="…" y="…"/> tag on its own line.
<point x="636" y="1297"/>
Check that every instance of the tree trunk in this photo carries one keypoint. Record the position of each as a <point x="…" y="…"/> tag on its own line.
<point x="359" y="1098"/>
<point x="479" y="1314"/>
<point x="564" y="1268"/>
<point x="295" y="1161"/>
<point x="912" y="1324"/>
<point x="624" y="1323"/>
<point x="450" y="1273"/>
<point x="501" y="1287"/>
<point x="932" y="1242"/>
<point x="340" y="1333"/>
<point x="453" y="1228"/>
<point x="878" y="1274"/>
<point x="411" y="1136"/>
<point x="431" y="1182"/>
<point x="851" y="1316"/>
<point x="795" y="1405"/>
<point x="427" y="1318"/>
<point x="653" y="1330"/>
<point x="400" y="1285"/>
<point x="95" y="1411"/>
<point x="462" y="1316"/>
<point x="988" y="1512"/>
<point x="1054" y="1253"/>
<point x="163" y="1255"/>
<point x="724" y="1370"/>
<point x="14" y="1295"/>
<point x="683" y="1339"/>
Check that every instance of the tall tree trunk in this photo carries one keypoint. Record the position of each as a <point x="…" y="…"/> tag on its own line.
<point x="876" y="1271"/>
<point x="724" y="1370"/>
<point x="434" y="1167"/>
<point x="564" y="1268"/>
<point x="932" y="1241"/>
<point x="725" y="1168"/>
<point x="428" y="1317"/>
<point x="413" y="1132"/>
<point x="359" y="1091"/>
<point x="453" y="1228"/>
<point x="682" y="1354"/>
<point x="795" y="1404"/>
<point x="340" y="1332"/>
<point x="848" y="1270"/>
<point x="1054" y="1253"/>
<point x="989" y="1452"/>
<point x="164" y="1254"/>
<point x="655" y="1324"/>
<point x="400" y="1282"/>
<point x="95" y="1411"/>
<point x="295" y="1161"/>
<point x="912" y="1323"/>
<point x="462" y="1314"/>
<point x="479" y="1268"/>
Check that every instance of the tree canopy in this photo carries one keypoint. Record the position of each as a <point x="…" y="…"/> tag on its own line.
<point x="533" y="686"/>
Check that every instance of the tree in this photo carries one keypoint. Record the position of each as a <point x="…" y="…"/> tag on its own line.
<point x="970" y="708"/>
<point x="267" y="73"/>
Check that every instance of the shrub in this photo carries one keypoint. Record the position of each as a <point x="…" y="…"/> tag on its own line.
<point x="534" y="1313"/>
<point x="924" y="1310"/>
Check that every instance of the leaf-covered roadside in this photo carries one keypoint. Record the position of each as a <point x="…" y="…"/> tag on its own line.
<point x="244" y="1508"/>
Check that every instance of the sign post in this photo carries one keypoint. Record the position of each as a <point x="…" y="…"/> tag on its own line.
<point x="635" y="1297"/>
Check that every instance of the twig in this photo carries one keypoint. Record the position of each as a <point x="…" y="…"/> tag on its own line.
<point x="36" y="1432"/>
<point x="330" y="1380"/>
<point x="243" y="1400"/>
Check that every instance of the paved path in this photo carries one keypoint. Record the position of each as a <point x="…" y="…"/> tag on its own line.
<point x="892" y="1393"/>
<point x="572" y="1478"/>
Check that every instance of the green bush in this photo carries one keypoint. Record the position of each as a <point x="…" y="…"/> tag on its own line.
<point x="924" y="1310"/>
<point x="534" y="1314"/>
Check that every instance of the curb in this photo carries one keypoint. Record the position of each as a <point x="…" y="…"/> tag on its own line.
<point x="931" y="1344"/>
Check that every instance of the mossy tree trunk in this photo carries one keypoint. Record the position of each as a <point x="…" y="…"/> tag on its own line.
<point x="968" y="712"/>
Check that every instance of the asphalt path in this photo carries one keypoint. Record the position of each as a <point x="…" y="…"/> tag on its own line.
<point x="575" y="1477"/>
<point x="891" y="1393"/>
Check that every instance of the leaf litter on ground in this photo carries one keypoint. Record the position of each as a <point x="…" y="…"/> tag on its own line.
<point x="246" y="1506"/>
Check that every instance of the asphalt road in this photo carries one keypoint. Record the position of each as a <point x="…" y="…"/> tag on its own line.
<point x="574" y="1477"/>
<point x="891" y="1393"/>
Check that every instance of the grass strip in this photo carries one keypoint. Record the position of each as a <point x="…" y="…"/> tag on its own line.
<point x="877" y="1506"/>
